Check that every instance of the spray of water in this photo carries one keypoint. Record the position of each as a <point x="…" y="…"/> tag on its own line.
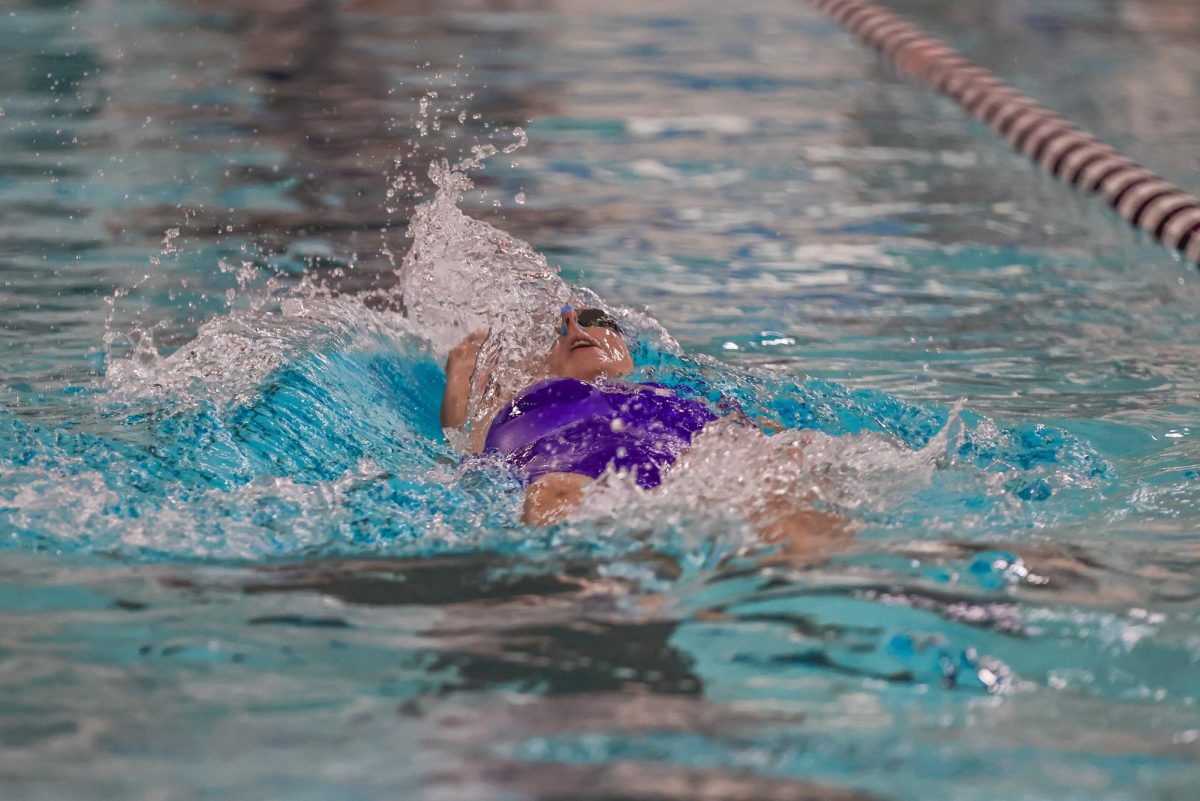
<point x="462" y="275"/>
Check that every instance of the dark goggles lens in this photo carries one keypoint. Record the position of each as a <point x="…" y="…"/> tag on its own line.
<point x="599" y="318"/>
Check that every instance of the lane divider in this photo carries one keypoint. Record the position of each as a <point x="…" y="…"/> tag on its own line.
<point x="1145" y="200"/>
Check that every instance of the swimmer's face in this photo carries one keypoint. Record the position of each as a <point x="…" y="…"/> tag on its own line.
<point x="588" y="351"/>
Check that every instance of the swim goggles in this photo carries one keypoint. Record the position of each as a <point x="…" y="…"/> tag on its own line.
<point x="591" y="318"/>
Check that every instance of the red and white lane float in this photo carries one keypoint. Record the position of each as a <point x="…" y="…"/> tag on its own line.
<point x="1166" y="212"/>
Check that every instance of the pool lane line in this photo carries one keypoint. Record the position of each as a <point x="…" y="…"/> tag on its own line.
<point x="1166" y="212"/>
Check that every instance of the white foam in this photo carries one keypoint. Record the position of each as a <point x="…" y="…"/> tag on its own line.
<point x="232" y="354"/>
<point x="726" y="124"/>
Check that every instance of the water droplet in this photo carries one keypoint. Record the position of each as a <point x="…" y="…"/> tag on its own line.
<point x="519" y="198"/>
<point x="769" y="338"/>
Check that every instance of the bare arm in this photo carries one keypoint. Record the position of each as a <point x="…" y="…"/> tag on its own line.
<point x="460" y="364"/>
<point x="552" y="497"/>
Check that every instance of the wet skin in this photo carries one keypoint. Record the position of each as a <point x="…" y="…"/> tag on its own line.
<point x="587" y="353"/>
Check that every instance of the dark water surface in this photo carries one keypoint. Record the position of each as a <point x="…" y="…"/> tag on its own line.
<point x="240" y="560"/>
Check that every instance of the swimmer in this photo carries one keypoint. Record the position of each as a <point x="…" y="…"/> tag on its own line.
<point x="577" y="420"/>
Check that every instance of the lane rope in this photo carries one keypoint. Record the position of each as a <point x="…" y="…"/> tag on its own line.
<point x="1166" y="212"/>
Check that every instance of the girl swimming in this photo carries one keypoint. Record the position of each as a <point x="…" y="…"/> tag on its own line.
<point x="576" y="420"/>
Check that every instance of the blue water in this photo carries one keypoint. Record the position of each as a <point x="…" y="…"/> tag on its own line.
<point x="240" y="559"/>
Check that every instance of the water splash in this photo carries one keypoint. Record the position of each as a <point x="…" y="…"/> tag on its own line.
<point x="233" y="355"/>
<point x="462" y="275"/>
<point x="302" y="420"/>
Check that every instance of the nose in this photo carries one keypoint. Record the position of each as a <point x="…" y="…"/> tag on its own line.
<point x="569" y="319"/>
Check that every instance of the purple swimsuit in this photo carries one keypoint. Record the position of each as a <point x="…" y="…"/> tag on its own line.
<point x="568" y="426"/>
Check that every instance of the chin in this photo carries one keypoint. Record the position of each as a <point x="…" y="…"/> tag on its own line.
<point x="586" y="372"/>
<point x="588" y="368"/>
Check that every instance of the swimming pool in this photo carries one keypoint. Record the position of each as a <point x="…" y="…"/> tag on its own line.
<point x="240" y="561"/>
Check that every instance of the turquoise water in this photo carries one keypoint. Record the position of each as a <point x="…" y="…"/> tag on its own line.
<point x="240" y="560"/>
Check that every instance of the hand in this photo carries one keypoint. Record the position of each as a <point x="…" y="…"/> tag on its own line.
<point x="460" y="364"/>
<point x="467" y="351"/>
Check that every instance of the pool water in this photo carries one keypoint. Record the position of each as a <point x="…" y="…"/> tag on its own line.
<point x="240" y="559"/>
